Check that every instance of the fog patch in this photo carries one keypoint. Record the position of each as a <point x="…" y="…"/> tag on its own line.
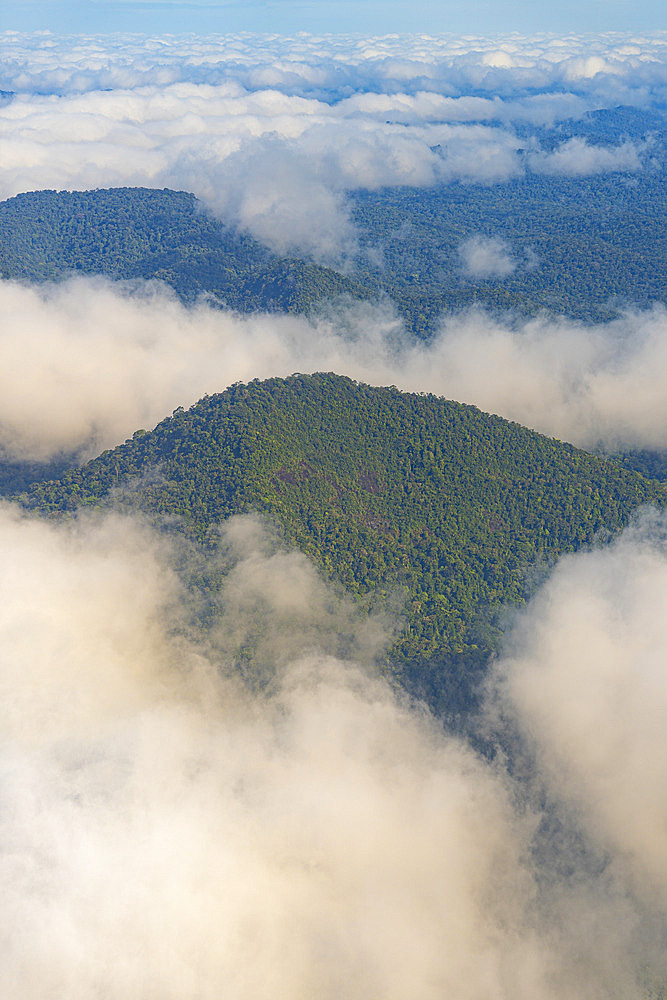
<point x="486" y="257"/>
<point x="590" y="385"/>
<point x="264" y="622"/>
<point x="578" y="158"/>
<point x="285" y="199"/>
<point x="85" y="363"/>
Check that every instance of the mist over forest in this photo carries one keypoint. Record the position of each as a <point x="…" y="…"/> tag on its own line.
<point x="229" y="594"/>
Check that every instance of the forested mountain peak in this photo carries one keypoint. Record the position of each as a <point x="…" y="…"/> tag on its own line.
<point x="383" y="490"/>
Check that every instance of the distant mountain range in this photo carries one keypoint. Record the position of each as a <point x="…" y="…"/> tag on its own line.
<point x="393" y="495"/>
<point x="579" y="246"/>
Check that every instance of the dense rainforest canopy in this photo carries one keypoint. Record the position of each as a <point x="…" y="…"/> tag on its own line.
<point x="580" y="247"/>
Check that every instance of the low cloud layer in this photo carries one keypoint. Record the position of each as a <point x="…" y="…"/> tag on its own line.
<point x="590" y="385"/>
<point x="333" y="67"/>
<point x="272" y="134"/>
<point x="167" y="828"/>
<point x="85" y="363"/>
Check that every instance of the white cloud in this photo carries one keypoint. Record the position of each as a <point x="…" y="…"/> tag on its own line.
<point x="85" y="363"/>
<point x="585" y="680"/>
<point x="331" y="839"/>
<point x="591" y="385"/>
<point x="486" y="257"/>
<point x="577" y="158"/>
<point x="336" y="66"/>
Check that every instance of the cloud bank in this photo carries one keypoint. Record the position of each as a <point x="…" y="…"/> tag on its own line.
<point x="590" y="385"/>
<point x="167" y="828"/>
<point x="85" y="363"/>
<point x="271" y="134"/>
<point x="333" y="67"/>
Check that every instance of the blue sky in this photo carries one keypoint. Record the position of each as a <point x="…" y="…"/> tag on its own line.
<point x="368" y="16"/>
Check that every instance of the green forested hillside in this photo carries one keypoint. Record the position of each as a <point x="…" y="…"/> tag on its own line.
<point x="146" y="233"/>
<point x="388" y="492"/>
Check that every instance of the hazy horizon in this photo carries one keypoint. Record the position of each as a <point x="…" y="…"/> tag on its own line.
<point x="366" y="16"/>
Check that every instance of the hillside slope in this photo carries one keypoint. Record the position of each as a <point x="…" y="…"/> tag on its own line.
<point x="383" y="490"/>
<point x="162" y="234"/>
<point x="584" y="247"/>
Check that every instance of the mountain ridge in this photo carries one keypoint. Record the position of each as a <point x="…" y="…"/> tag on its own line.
<point x="585" y="247"/>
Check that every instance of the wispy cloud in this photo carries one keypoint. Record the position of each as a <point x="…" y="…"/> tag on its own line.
<point x="587" y="657"/>
<point x="486" y="257"/>
<point x="578" y="158"/>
